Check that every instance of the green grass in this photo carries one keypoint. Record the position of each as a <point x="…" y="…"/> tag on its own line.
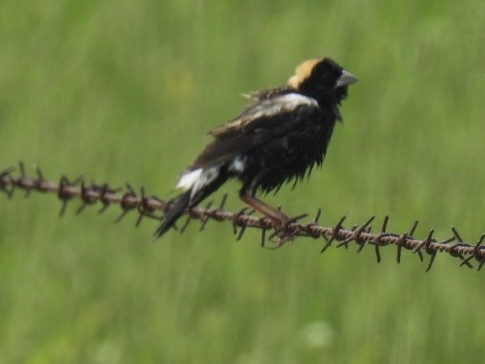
<point x="123" y="91"/>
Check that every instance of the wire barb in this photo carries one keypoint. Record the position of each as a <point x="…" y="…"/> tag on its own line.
<point x="151" y="206"/>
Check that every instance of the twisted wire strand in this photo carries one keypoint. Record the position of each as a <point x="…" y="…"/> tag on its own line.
<point x="151" y="206"/>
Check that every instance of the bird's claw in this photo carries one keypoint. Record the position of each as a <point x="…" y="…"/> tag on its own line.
<point x="283" y="231"/>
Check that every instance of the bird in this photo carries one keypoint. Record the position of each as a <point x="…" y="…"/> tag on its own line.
<point x="280" y="136"/>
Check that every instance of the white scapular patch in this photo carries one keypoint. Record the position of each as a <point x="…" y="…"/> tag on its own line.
<point x="283" y="103"/>
<point x="198" y="178"/>
<point x="293" y="100"/>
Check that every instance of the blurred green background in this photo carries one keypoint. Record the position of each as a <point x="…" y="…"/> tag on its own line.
<point x="123" y="91"/>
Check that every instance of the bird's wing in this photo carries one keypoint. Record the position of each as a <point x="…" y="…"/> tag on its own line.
<point x="262" y="112"/>
<point x="261" y="122"/>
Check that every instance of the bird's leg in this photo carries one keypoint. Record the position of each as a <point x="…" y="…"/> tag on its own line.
<point x="274" y="214"/>
<point x="279" y="218"/>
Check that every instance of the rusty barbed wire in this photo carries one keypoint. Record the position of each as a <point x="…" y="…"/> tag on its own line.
<point x="153" y="207"/>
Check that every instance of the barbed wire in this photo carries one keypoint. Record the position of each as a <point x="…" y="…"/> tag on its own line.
<point x="151" y="206"/>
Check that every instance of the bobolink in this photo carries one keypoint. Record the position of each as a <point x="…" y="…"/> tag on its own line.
<point x="280" y="136"/>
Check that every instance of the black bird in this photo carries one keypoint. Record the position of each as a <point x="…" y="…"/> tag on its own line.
<point x="280" y="136"/>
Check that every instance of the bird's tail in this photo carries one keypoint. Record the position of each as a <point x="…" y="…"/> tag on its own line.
<point x="176" y="209"/>
<point x="188" y="199"/>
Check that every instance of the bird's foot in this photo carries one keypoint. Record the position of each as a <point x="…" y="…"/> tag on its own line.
<point x="284" y="230"/>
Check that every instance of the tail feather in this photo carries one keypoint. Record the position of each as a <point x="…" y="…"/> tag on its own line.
<point x="177" y="208"/>
<point x="199" y="186"/>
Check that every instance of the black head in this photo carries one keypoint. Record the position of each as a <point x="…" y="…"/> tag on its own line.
<point x="322" y="79"/>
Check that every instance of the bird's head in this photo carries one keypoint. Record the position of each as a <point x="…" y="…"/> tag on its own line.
<point x="322" y="79"/>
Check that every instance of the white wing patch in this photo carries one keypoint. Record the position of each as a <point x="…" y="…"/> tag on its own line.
<point x="282" y="104"/>
<point x="293" y="100"/>
<point x="267" y="108"/>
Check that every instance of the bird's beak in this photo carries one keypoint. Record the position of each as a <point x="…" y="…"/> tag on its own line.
<point x="346" y="79"/>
